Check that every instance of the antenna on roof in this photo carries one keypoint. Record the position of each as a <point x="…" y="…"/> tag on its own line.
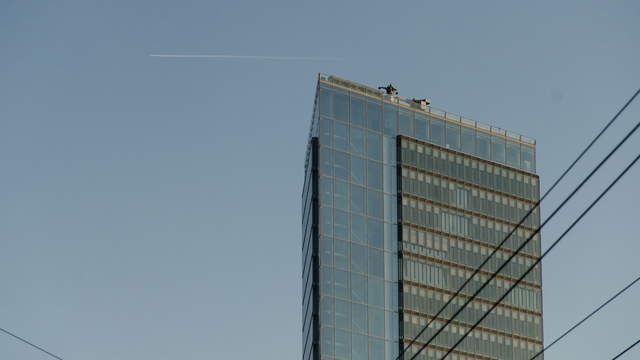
<point x="389" y="89"/>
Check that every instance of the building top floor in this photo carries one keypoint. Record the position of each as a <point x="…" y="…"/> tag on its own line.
<point x="416" y="118"/>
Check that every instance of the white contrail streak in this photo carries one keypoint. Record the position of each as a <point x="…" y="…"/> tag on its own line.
<point x="251" y="57"/>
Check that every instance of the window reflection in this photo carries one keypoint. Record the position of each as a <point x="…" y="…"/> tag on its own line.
<point x="437" y="131"/>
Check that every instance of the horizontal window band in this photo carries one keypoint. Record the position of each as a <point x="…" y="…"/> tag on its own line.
<point x="480" y="328"/>
<point x="464" y="182"/>
<point x="464" y="211"/>
<point x="445" y="349"/>
<point x="457" y="237"/>
<point x="480" y="300"/>
<point x="467" y="268"/>
<point x="472" y="157"/>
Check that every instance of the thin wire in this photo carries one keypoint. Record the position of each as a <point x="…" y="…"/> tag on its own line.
<point x="30" y="344"/>
<point x="627" y="349"/>
<point x="564" y="202"/>
<point x="576" y="221"/>
<point x="537" y="204"/>
<point x="587" y="317"/>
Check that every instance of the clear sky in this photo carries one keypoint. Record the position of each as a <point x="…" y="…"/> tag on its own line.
<point x="150" y="207"/>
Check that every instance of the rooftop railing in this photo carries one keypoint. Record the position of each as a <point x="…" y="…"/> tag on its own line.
<point x="428" y="109"/>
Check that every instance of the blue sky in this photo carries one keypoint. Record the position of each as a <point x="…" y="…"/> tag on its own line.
<point x="151" y="206"/>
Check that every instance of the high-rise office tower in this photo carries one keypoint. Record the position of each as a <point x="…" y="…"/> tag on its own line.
<point x="401" y="202"/>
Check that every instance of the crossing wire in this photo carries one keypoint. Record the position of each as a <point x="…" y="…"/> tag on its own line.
<point x="564" y="202"/>
<point x="30" y="344"/>
<point x="627" y="349"/>
<point x="536" y="205"/>
<point x="586" y="317"/>
<point x="573" y="224"/>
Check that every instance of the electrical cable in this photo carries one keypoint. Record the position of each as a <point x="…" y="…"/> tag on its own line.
<point x="536" y="205"/>
<point x="574" y="223"/>
<point x="564" y="202"/>
<point x="30" y="344"/>
<point x="586" y="317"/>
<point x="627" y="349"/>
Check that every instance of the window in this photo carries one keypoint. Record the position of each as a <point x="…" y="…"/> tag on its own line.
<point x="341" y="165"/>
<point x="357" y="111"/>
<point x="437" y="131"/>
<point x="376" y="291"/>
<point x="341" y="195"/>
<point x="326" y="103"/>
<point x="357" y="199"/>
<point x="374" y="174"/>
<point x="421" y="128"/>
<point x="341" y="136"/>
<point x="374" y="145"/>
<point x="326" y="191"/>
<point x="453" y="136"/>
<point x="373" y="116"/>
<point x="359" y="317"/>
<point x="326" y="131"/>
<point x="497" y="150"/>
<point x="528" y="159"/>
<point x="374" y="203"/>
<point x="341" y="285"/>
<point x="390" y="119"/>
<point x="356" y="140"/>
<point x="358" y="229"/>
<point x="343" y="344"/>
<point x="343" y="314"/>
<point x="358" y="288"/>
<point x="341" y="107"/>
<point x="374" y="232"/>
<point x="376" y="263"/>
<point x="326" y="221"/>
<point x="358" y="258"/>
<point x="327" y="341"/>
<point x="340" y="224"/>
<point x="468" y="140"/>
<point x="326" y="161"/>
<point x="484" y="145"/>
<point x="405" y="123"/>
<point x="376" y="322"/>
<point x="513" y="154"/>
<point x="326" y="251"/>
<point x="359" y="350"/>
<point x="357" y="170"/>
<point x="341" y="255"/>
<point x="326" y="310"/>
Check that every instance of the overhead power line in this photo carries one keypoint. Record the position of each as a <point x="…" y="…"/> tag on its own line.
<point x="573" y="224"/>
<point x="627" y="349"/>
<point x="557" y="209"/>
<point x="537" y="204"/>
<point x="31" y="344"/>
<point x="587" y="317"/>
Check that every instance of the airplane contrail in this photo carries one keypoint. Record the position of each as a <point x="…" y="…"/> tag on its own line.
<point x="253" y="57"/>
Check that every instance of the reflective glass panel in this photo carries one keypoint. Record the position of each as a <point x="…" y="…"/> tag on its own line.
<point x="484" y="146"/>
<point x="468" y="140"/>
<point x="405" y="123"/>
<point x="357" y="170"/>
<point x="453" y="136"/>
<point x="341" y="107"/>
<point x="437" y="131"/>
<point x="341" y="136"/>
<point x="374" y="118"/>
<point x="358" y="229"/>
<point x="357" y="111"/>
<point x="356" y="139"/>
<point x="390" y="119"/>
<point x="357" y="199"/>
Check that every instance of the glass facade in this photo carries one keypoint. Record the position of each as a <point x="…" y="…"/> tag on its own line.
<point x="399" y="207"/>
